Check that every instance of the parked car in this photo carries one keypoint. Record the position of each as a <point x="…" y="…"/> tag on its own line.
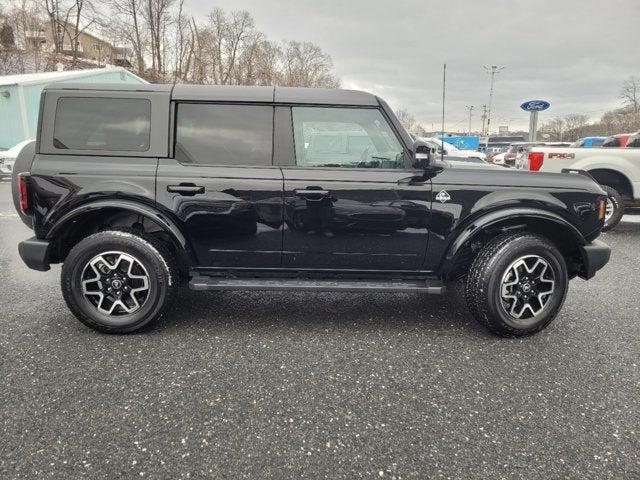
<point x="617" y="141"/>
<point x="449" y="150"/>
<point x="633" y="141"/>
<point x="508" y="158"/>
<point x="617" y="170"/>
<point x="137" y="191"/>
<point x="589" y="142"/>
<point x="8" y="159"/>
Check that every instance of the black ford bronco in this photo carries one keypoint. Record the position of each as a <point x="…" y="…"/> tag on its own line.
<point x="138" y="189"/>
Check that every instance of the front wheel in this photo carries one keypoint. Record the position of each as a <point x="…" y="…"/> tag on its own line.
<point x="517" y="284"/>
<point x="118" y="282"/>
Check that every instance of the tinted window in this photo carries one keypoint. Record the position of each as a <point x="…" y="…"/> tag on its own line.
<point x="344" y="137"/>
<point x="224" y="134"/>
<point x="113" y="124"/>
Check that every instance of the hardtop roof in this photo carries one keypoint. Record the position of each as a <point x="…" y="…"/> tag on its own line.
<point x="236" y="93"/>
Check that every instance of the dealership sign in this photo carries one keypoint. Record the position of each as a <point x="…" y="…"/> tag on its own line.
<point x="535" y="105"/>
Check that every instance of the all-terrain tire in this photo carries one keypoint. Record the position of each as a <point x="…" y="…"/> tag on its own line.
<point x="483" y="287"/>
<point x="618" y="208"/>
<point x="155" y="262"/>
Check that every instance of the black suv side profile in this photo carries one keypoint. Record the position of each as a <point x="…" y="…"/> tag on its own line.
<point x="138" y="189"/>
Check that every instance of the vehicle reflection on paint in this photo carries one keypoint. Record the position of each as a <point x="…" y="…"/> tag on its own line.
<point x="329" y="216"/>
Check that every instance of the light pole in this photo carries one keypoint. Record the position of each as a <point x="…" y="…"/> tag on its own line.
<point x="484" y="118"/>
<point x="491" y="70"/>
<point x="470" y="108"/>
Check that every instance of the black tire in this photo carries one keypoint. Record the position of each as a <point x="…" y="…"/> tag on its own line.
<point x="157" y="262"/>
<point x="618" y="208"/>
<point x="488" y="270"/>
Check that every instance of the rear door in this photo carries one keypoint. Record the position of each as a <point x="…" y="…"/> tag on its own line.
<point x="348" y="202"/>
<point x="222" y="186"/>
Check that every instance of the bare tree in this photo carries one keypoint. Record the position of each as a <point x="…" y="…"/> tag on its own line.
<point x="574" y="126"/>
<point x="410" y="124"/>
<point x="306" y="65"/>
<point x="554" y="128"/>
<point x="128" y="25"/>
<point x="630" y="93"/>
<point x="157" y="15"/>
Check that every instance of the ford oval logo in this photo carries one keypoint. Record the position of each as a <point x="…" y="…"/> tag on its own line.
<point x="535" y="105"/>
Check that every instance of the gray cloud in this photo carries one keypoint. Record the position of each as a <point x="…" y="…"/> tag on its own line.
<point x="573" y="53"/>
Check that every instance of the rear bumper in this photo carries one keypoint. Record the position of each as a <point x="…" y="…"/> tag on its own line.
<point x="595" y="255"/>
<point x="35" y="253"/>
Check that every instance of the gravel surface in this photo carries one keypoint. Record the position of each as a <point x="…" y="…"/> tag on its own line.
<point x="264" y="385"/>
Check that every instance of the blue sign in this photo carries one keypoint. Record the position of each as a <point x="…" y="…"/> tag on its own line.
<point x="535" y="105"/>
<point x="463" y="142"/>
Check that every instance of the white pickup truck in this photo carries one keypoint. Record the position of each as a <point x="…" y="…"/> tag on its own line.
<point x="617" y="170"/>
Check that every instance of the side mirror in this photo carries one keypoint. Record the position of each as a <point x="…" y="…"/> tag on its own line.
<point x="421" y="155"/>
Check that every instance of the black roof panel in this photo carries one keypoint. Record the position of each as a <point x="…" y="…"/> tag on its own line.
<point x="321" y="96"/>
<point x="235" y="93"/>
<point x="222" y="93"/>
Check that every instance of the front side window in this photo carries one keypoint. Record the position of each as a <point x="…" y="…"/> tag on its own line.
<point x="211" y="134"/>
<point x="108" y="124"/>
<point x="344" y="137"/>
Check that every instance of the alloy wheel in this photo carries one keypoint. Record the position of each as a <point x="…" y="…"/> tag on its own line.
<point x="115" y="283"/>
<point x="527" y="286"/>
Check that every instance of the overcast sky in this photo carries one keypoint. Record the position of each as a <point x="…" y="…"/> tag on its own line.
<point x="575" y="54"/>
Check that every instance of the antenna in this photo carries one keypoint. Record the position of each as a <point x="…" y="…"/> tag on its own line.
<point x="492" y="70"/>
<point x="444" y="88"/>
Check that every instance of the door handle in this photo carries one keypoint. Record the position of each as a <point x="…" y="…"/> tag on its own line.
<point x="311" y="193"/>
<point x="186" y="189"/>
<point x="414" y="180"/>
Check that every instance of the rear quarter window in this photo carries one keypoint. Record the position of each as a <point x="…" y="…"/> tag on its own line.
<point x="105" y="124"/>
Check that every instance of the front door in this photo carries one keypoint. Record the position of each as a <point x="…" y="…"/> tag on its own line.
<point x="348" y="202"/>
<point x="222" y="185"/>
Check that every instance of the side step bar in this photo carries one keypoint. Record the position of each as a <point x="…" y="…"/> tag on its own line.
<point x="434" y="287"/>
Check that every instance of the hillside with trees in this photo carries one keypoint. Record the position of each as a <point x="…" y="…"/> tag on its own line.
<point x="158" y="40"/>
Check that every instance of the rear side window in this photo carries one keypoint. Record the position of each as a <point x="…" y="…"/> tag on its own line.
<point x="211" y="134"/>
<point x="107" y="124"/>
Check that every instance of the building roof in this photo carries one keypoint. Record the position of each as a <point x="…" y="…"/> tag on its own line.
<point x="47" y="77"/>
<point x="235" y="93"/>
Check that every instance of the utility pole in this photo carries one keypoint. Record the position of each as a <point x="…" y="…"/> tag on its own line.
<point x="484" y="119"/>
<point x="491" y="70"/>
<point x="470" y="108"/>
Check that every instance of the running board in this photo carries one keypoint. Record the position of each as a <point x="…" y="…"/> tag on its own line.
<point x="434" y="287"/>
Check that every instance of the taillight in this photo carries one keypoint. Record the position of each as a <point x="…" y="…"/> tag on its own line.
<point x="23" y="189"/>
<point x="535" y="161"/>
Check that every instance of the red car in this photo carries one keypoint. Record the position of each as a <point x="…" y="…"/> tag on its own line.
<point x="620" y="140"/>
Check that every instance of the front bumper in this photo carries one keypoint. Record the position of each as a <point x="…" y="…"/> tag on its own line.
<point x="35" y="253"/>
<point x="595" y="255"/>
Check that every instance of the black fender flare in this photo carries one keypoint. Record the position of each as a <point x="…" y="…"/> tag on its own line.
<point x="165" y="222"/>
<point x="469" y="230"/>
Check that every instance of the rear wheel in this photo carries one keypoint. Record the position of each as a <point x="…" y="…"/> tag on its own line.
<point x="118" y="282"/>
<point x="614" y="209"/>
<point x="517" y="284"/>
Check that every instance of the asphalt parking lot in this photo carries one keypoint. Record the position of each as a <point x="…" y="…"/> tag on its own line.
<point x="258" y="385"/>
